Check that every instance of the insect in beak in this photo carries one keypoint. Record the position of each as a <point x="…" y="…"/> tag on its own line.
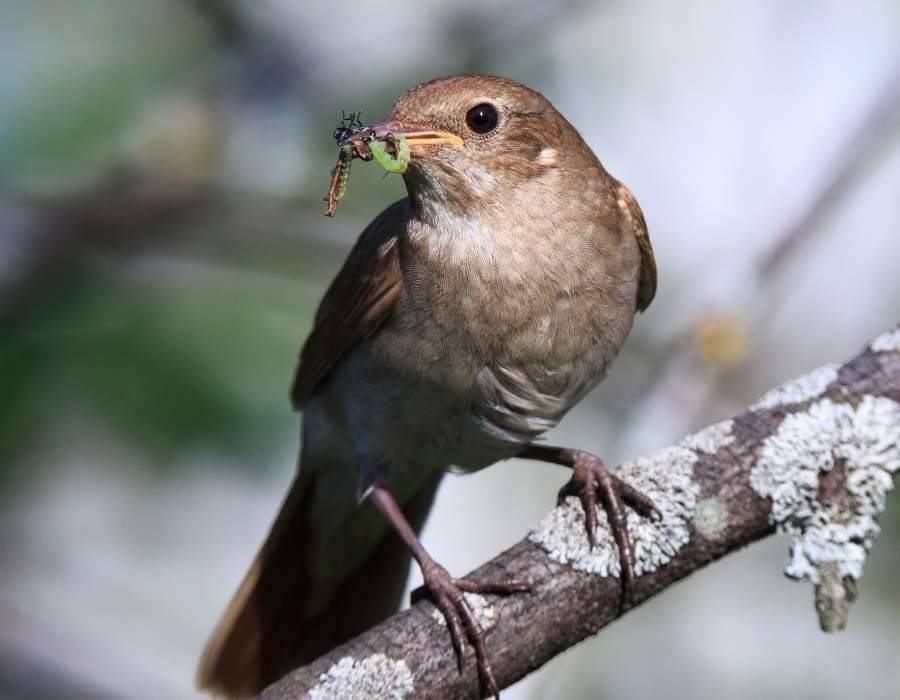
<point x="415" y="136"/>
<point x="390" y="142"/>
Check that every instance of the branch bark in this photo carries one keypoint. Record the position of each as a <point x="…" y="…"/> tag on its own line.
<point x="814" y="458"/>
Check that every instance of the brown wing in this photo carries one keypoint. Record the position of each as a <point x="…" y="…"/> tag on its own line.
<point x="647" y="278"/>
<point x="359" y="300"/>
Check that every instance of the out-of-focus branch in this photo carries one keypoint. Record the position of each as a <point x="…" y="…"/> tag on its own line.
<point x="814" y="458"/>
<point x="859" y="150"/>
<point x="131" y="215"/>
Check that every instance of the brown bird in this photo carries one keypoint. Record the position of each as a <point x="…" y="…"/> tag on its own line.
<point x="467" y="320"/>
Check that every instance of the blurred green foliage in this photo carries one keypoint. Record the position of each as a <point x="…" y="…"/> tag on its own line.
<point x="171" y="342"/>
<point x="153" y="364"/>
<point x="79" y="88"/>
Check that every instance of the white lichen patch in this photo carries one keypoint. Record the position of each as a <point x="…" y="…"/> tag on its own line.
<point x="805" y="388"/>
<point x="711" y="518"/>
<point x="485" y="613"/>
<point x="666" y="476"/>
<point x="376" y="677"/>
<point x="712" y="438"/>
<point x="865" y="443"/>
<point x="887" y="342"/>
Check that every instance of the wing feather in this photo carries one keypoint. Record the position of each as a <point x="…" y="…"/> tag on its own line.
<point x="647" y="275"/>
<point x="360" y="299"/>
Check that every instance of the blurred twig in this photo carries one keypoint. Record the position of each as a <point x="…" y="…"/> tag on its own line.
<point x="131" y="215"/>
<point x="564" y="606"/>
<point x="860" y="149"/>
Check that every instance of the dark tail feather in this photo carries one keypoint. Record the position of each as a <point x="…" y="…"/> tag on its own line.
<point x="267" y="629"/>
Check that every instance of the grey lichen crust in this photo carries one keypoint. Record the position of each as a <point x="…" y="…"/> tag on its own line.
<point x="711" y="518"/>
<point x="377" y="677"/>
<point x="809" y="386"/>
<point x="484" y="612"/>
<point x="712" y="438"/>
<point x="833" y="525"/>
<point x="887" y="342"/>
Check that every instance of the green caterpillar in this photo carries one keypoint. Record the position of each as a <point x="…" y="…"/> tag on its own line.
<point x="386" y="160"/>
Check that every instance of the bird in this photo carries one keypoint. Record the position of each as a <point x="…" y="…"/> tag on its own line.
<point x="467" y="320"/>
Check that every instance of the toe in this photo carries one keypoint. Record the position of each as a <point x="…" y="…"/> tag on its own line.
<point x="455" y="626"/>
<point x="475" y="634"/>
<point x="570" y="488"/>
<point x="637" y="500"/>
<point x="589" y="505"/>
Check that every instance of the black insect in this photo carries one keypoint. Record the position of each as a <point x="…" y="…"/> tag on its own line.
<point x="349" y="127"/>
<point x="352" y="137"/>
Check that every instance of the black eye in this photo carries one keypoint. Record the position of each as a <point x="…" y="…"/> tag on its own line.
<point x="482" y="118"/>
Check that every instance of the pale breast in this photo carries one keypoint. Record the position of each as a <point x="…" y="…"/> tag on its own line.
<point x="457" y="403"/>
<point x="491" y="343"/>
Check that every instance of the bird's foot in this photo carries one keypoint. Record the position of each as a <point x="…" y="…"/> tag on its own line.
<point x="446" y="593"/>
<point x="590" y="480"/>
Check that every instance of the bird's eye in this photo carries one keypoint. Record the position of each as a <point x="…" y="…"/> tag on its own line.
<point x="482" y="118"/>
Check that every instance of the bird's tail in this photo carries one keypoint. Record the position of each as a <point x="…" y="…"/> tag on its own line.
<point x="309" y="588"/>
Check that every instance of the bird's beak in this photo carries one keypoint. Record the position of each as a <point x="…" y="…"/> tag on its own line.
<point x="414" y="135"/>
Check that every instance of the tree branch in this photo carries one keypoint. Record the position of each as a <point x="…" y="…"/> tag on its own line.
<point x="814" y="458"/>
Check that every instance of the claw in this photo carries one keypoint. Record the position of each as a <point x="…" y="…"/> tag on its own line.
<point x="643" y="505"/>
<point x="476" y="636"/>
<point x="590" y="479"/>
<point x="447" y="594"/>
<point x="454" y="624"/>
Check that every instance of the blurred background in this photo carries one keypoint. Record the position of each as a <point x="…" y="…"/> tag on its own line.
<point x="162" y="251"/>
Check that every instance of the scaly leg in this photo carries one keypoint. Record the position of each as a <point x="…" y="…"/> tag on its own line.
<point x="591" y="478"/>
<point x="447" y="592"/>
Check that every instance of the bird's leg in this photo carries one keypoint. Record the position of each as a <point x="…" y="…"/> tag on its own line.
<point x="590" y="479"/>
<point x="447" y="592"/>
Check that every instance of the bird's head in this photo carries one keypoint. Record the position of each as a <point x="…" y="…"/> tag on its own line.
<point x="477" y="138"/>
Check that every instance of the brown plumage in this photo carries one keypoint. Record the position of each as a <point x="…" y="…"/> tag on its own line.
<point x="359" y="300"/>
<point x="467" y="320"/>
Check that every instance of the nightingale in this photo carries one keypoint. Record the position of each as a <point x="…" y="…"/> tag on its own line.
<point x="468" y="318"/>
